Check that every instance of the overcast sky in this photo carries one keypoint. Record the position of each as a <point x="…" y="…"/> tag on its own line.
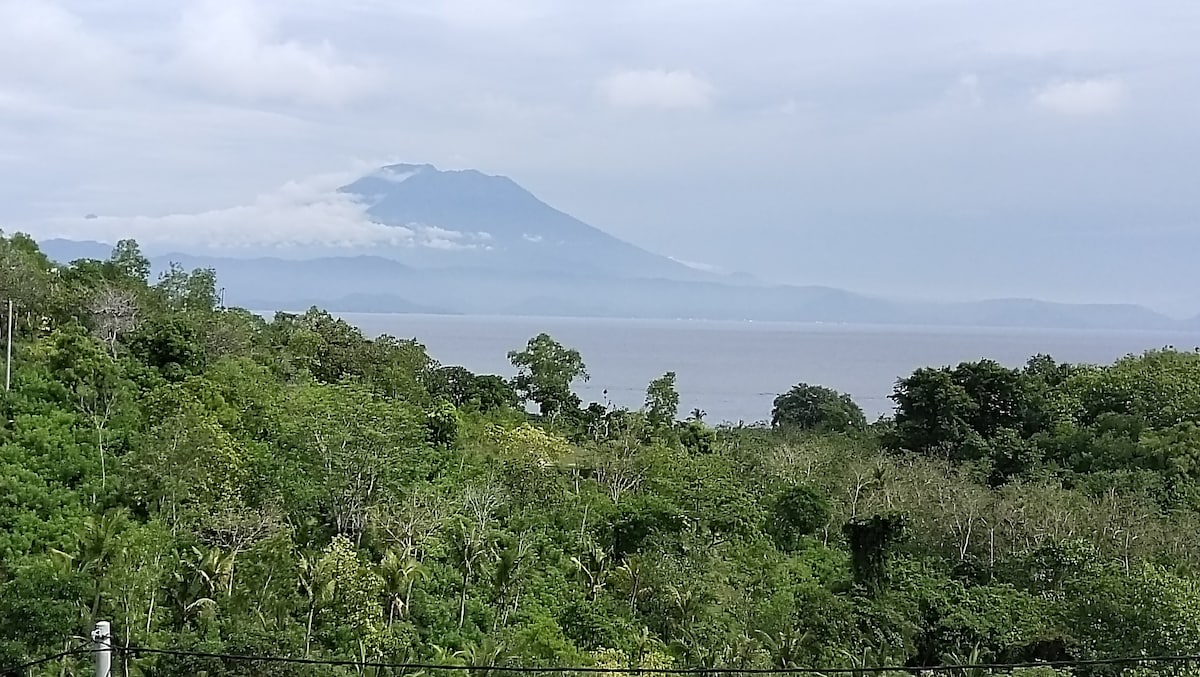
<point x="924" y="148"/>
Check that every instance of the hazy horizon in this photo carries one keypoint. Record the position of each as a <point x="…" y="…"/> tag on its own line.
<point x="934" y="150"/>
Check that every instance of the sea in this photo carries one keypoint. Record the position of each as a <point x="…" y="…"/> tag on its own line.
<point x="732" y="370"/>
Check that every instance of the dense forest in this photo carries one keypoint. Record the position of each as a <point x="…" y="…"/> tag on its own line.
<point x="211" y="480"/>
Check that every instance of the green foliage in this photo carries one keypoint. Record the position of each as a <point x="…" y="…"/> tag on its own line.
<point x="441" y="425"/>
<point x="482" y="393"/>
<point x="662" y="401"/>
<point x="195" y="291"/>
<point x="545" y="371"/>
<point x="172" y="344"/>
<point x="808" y="407"/>
<point x="871" y="542"/>
<point x="796" y="512"/>
<point x="696" y="437"/>
<point x="207" y="479"/>
<point x="344" y="451"/>
<point x="129" y="262"/>
<point x="1138" y="414"/>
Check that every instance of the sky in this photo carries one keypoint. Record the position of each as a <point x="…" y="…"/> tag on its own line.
<point x="929" y="149"/>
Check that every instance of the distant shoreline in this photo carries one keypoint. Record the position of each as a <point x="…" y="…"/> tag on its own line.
<point x="853" y="327"/>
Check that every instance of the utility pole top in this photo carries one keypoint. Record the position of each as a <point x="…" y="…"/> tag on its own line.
<point x="102" y="646"/>
<point x="8" y="350"/>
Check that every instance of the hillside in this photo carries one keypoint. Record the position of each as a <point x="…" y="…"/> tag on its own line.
<point x="222" y="488"/>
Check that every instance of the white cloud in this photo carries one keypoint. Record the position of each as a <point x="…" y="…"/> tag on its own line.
<point x="435" y="232"/>
<point x="662" y="89"/>
<point x="43" y="43"/>
<point x="1097" y="96"/>
<point x="297" y="214"/>
<point x="436" y="237"/>
<point x="231" y="46"/>
<point x="393" y="176"/>
<point x="309" y="213"/>
<point x="445" y="243"/>
<point x="703" y="267"/>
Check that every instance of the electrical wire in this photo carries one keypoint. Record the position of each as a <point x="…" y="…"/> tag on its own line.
<point x="591" y="669"/>
<point x="20" y="669"/>
<point x="990" y="667"/>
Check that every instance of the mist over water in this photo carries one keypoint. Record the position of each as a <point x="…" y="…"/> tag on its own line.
<point x="733" y="370"/>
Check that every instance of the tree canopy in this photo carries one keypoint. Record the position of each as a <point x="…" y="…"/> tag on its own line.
<point x="545" y="371"/>
<point x="214" y="481"/>
<point x="812" y="407"/>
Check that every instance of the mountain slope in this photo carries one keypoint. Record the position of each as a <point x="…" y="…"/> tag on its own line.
<point x="467" y="218"/>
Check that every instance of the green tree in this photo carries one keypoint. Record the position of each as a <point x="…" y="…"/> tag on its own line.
<point x="809" y="407"/>
<point x="490" y="393"/>
<point x="872" y="541"/>
<point x="351" y="451"/>
<point x="662" y="401"/>
<point x="796" y="512"/>
<point x="545" y="371"/>
<point x="95" y="384"/>
<point x="194" y="291"/>
<point x="933" y="413"/>
<point x="465" y="390"/>
<point x="129" y="262"/>
<point x="172" y="343"/>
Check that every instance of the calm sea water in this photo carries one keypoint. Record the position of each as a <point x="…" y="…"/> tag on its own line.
<point x="733" y="370"/>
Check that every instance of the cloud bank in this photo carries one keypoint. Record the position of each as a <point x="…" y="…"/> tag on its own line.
<point x="301" y="214"/>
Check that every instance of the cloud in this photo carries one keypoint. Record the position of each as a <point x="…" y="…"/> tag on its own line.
<point x="441" y="238"/>
<point x="703" y="267"/>
<point x="661" y="89"/>
<point x="393" y="176"/>
<point x="1098" y="96"/>
<point x="309" y="213"/>
<point x="42" y="43"/>
<point x="149" y="107"/>
<point x="301" y="213"/>
<point x="231" y="46"/>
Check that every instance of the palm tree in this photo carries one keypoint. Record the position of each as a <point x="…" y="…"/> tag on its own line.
<point x="96" y="545"/>
<point x="632" y="574"/>
<point x="399" y="573"/>
<point x="467" y="547"/>
<point x="317" y="589"/>
<point x="483" y="657"/>
<point x="594" y="566"/>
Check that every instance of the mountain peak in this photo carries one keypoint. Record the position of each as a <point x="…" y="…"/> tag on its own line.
<point x="405" y="183"/>
<point x="487" y="220"/>
<point x="398" y="173"/>
<point x="403" y="168"/>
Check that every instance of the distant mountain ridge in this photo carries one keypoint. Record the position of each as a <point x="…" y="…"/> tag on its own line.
<point x="468" y="242"/>
<point x="377" y="284"/>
